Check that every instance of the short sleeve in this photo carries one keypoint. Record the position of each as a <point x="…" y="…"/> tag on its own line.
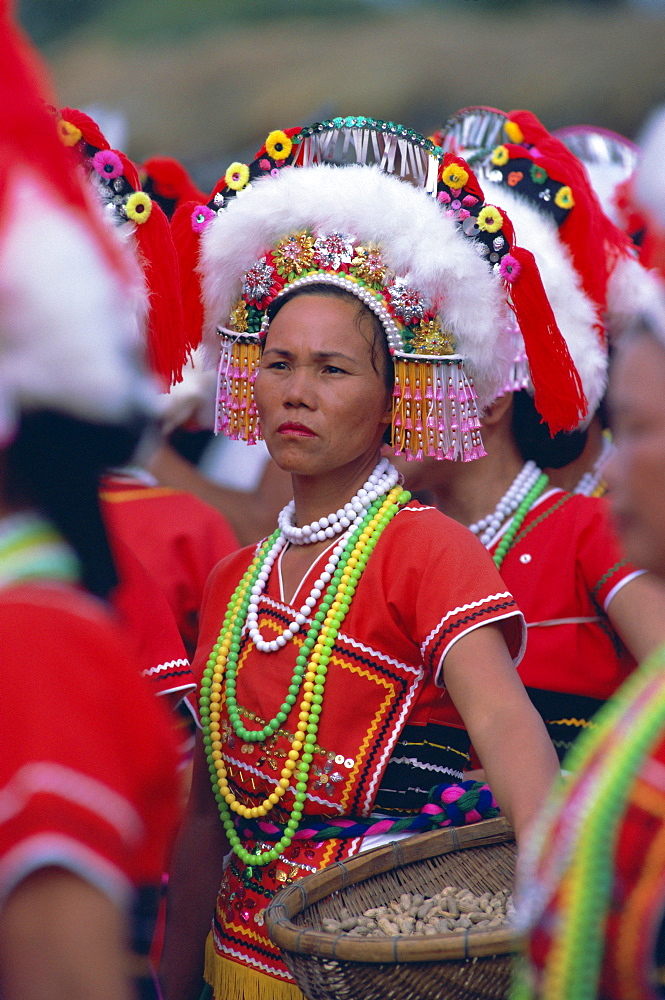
<point x="443" y="584"/>
<point x="88" y="782"/>
<point x="604" y="565"/>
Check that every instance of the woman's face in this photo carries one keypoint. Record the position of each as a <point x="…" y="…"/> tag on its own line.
<point x="636" y="472"/>
<point x="322" y="405"/>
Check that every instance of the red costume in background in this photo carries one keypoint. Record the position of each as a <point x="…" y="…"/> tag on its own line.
<point x="178" y="538"/>
<point x="563" y="568"/>
<point x="87" y="776"/>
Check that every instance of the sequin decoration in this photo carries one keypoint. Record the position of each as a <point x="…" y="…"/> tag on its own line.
<point x="238" y="317"/>
<point x="430" y="338"/>
<point x="325" y="776"/>
<point x="259" y="282"/>
<point x="406" y="301"/>
<point x="368" y="266"/>
<point x="334" y="250"/>
<point x="295" y="254"/>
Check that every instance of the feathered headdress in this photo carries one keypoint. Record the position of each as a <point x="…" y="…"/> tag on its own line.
<point x="437" y="264"/>
<point x="66" y="345"/>
<point x="116" y="180"/>
<point x="392" y="246"/>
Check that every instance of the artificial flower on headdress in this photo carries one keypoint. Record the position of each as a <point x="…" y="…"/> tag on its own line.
<point x="237" y="176"/>
<point x="107" y="163"/>
<point x="69" y="133"/>
<point x="454" y="175"/>
<point x="278" y="145"/>
<point x="500" y="156"/>
<point x="138" y="207"/>
<point x="201" y="217"/>
<point x="564" y="198"/>
<point x="489" y="219"/>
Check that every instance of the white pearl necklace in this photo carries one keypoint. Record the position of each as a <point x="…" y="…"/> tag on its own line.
<point x="590" y="480"/>
<point x="382" y="480"/>
<point x="488" y="526"/>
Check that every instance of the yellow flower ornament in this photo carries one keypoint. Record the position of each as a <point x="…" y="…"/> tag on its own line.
<point x="455" y="176"/>
<point x="237" y="176"/>
<point x="68" y="133"/>
<point x="489" y="219"/>
<point x="500" y="156"/>
<point x="278" y="145"/>
<point x="564" y="198"/>
<point x="138" y="207"/>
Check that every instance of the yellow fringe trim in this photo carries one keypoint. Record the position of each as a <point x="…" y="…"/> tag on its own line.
<point x="240" y="411"/>
<point x="233" y="981"/>
<point x="434" y="410"/>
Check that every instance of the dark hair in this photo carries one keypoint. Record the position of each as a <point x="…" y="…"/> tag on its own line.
<point x="54" y="464"/>
<point x="535" y="441"/>
<point x="380" y="356"/>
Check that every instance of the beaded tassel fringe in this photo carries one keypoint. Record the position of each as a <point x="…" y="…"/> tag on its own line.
<point x="236" y="415"/>
<point x="434" y="410"/>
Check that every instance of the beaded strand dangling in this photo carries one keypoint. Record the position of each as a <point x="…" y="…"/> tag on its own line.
<point x="219" y="679"/>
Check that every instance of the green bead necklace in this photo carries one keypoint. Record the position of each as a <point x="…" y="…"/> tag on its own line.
<point x="311" y="664"/>
<point x="518" y="519"/>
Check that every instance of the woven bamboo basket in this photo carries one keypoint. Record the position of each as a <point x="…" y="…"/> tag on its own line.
<point x="474" y="965"/>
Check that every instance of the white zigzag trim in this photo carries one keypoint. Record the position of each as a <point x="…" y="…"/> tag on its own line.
<point x="354" y="643"/>
<point x="456" y="611"/>
<point x="165" y="666"/>
<point x="422" y="764"/>
<point x="244" y="765"/>
<point x="271" y="970"/>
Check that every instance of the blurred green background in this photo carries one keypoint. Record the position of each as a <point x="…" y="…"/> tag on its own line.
<point x="205" y="80"/>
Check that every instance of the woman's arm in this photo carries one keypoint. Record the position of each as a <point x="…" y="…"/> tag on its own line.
<point x="637" y="613"/>
<point x="62" y="939"/>
<point x="194" y="878"/>
<point x="506" y="730"/>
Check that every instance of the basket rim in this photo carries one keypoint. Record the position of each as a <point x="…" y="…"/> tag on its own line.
<point x="295" y="898"/>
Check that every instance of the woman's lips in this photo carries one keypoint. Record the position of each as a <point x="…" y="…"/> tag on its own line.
<point x="297" y="430"/>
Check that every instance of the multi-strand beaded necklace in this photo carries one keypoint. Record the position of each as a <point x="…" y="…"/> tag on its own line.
<point x="571" y="851"/>
<point x="520" y="496"/>
<point x="309" y="675"/>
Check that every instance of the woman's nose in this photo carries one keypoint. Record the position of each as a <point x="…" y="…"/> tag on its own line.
<point x="299" y="389"/>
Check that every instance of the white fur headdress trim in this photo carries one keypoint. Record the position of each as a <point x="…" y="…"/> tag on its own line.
<point x="417" y="241"/>
<point x="69" y="345"/>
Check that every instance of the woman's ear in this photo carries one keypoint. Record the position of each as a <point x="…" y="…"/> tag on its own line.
<point x="497" y="410"/>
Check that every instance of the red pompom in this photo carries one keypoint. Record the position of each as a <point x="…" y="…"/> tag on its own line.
<point x="558" y="392"/>
<point x="171" y="180"/>
<point x="167" y="347"/>
<point x="187" y="247"/>
<point x="88" y="128"/>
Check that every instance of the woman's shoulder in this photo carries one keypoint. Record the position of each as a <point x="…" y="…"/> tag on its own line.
<point x="428" y="533"/>
<point x="573" y="510"/>
<point x="230" y="569"/>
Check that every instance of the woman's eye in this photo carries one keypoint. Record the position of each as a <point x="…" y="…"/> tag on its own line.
<point x="333" y="370"/>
